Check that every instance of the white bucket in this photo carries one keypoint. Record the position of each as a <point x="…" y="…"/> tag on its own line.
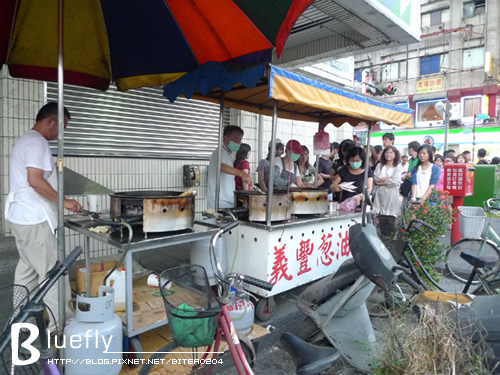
<point x="242" y="313"/>
<point x="199" y="255"/>
<point x="117" y="281"/>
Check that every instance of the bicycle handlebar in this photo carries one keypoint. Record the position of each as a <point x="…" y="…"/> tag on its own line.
<point x="257" y="282"/>
<point x="59" y="269"/>
<point x="490" y="203"/>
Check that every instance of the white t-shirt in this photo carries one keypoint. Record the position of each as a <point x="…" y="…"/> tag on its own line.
<point x="295" y="170"/>
<point x="30" y="151"/>
<point x="227" y="185"/>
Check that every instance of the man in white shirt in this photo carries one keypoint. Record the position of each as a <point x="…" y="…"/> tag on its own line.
<point x="231" y="141"/>
<point x="32" y="203"/>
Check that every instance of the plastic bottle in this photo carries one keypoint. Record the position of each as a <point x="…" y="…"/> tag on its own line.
<point x="117" y="281"/>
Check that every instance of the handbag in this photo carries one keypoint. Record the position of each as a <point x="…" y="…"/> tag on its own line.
<point x="405" y="188"/>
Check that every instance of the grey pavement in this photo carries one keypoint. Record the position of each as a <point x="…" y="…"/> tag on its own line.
<point x="271" y="356"/>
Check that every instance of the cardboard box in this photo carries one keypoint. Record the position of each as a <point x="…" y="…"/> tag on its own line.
<point x="147" y="305"/>
<point x="98" y="272"/>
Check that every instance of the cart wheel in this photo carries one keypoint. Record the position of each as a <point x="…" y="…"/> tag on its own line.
<point x="132" y="345"/>
<point x="265" y="308"/>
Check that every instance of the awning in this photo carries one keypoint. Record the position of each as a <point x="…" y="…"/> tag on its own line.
<point x="254" y="88"/>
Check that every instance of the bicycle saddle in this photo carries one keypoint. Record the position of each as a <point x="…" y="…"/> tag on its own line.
<point x="479" y="261"/>
<point x="309" y="359"/>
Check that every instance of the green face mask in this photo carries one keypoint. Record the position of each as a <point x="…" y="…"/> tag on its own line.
<point x="355" y="165"/>
<point x="233" y="147"/>
<point x="295" y="157"/>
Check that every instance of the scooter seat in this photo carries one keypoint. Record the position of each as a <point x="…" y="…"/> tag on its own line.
<point x="479" y="261"/>
<point x="309" y="359"/>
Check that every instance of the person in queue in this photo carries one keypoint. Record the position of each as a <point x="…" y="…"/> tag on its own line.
<point x="231" y="141"/>
<point x="387" y="178"/>
<point x="388" y="139"/>
<point x="373" y="158"/>
<point x="31" y="206"/>
<point x="481" y="155"/>
<point x="495" y="160"/>
<point x="241" y="163"/>
<point x="466" y="153"/>
<point x="378" y="150"/>
<point x="324" y="166"/>
<point x="439" y="161"/>
<point x="460" y="159"/>
<point x="345" y="146"/>
<point x="334" y="151"/>
<point x="425" y="175"/>
<point x="263" y="166"/>
<point x="286" y="172"/>
<point x="306" y="170"/>
<point x="354" y="171"/>
<point x="405" y="189"/>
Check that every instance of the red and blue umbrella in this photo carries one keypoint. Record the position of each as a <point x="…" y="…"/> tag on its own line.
<point x="139" y="43"/>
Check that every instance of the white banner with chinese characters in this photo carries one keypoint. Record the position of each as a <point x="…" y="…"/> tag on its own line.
<point x="291" y="256"/>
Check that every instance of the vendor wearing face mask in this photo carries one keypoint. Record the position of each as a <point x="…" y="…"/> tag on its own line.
<point x="286" y="172"/>
<point x="231" y="141"/>
<point x="355" y="172"/>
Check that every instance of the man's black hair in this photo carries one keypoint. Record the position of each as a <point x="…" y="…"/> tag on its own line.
<point x="466" y="152"/>
<point x="334" y="146"/>
<point x="481" y="152"/>
<point x="49" y="110"/>
<point x="378" y="149"/>
<point x="414" y="145"/>
<point x="231" y="128"/>
<point x="389" y="136"/>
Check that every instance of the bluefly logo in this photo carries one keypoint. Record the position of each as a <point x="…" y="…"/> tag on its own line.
<point x="15" y="333"/>
<point x="91" y="338"/>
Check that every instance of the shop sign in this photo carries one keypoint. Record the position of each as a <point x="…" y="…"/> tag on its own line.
<point x="430" y="85"/>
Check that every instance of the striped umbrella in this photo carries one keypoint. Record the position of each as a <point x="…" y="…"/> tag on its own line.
<point x="139" y="43"/>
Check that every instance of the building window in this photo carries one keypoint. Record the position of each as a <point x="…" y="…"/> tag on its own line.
<point x="473" y="58"/>
<point x="433" y="64"/>
<point x="390" y="72"/>
<point x="426" y="114"/>
<point x="472" y="106"/>
<point x="435" y="18"/>
<point x="473" y="8"/>
<point x="358" y="75"/>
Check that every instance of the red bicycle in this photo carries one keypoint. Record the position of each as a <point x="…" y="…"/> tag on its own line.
<point x="200" y="321"/>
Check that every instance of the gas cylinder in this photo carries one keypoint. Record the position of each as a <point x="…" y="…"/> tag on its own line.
<point x="93" y="339"/>
<point x="117" y="281"/>
<point x="242" y="313"/>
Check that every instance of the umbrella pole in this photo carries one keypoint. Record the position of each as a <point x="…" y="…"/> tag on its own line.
<point x="60" y="164"/>
<point x="367" y="165"/>
<point x="270" y="184"/>
<point x="219" y="154"/>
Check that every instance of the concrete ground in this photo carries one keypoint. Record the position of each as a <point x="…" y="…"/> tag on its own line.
<point x="272" y="358"/>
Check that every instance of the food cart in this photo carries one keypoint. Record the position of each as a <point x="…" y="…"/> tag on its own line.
<point x="305" y="248"/>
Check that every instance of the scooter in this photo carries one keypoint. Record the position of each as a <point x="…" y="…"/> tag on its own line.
<point x="337" y="305"/>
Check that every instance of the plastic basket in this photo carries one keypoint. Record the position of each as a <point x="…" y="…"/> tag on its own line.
<point x="389" y="231"/>
<point x="191" y="306"/>
<point x="471" y="221"/>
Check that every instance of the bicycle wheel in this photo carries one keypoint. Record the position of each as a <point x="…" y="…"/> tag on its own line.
<point x="187" y="360"/>
<point x="494" y="286"/>
<point x="458" y="268"/>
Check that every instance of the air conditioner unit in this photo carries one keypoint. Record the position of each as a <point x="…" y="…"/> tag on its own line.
<point x="455" y="111"/>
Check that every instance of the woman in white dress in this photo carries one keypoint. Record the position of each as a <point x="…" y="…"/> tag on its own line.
<point x="387" y="177"/>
